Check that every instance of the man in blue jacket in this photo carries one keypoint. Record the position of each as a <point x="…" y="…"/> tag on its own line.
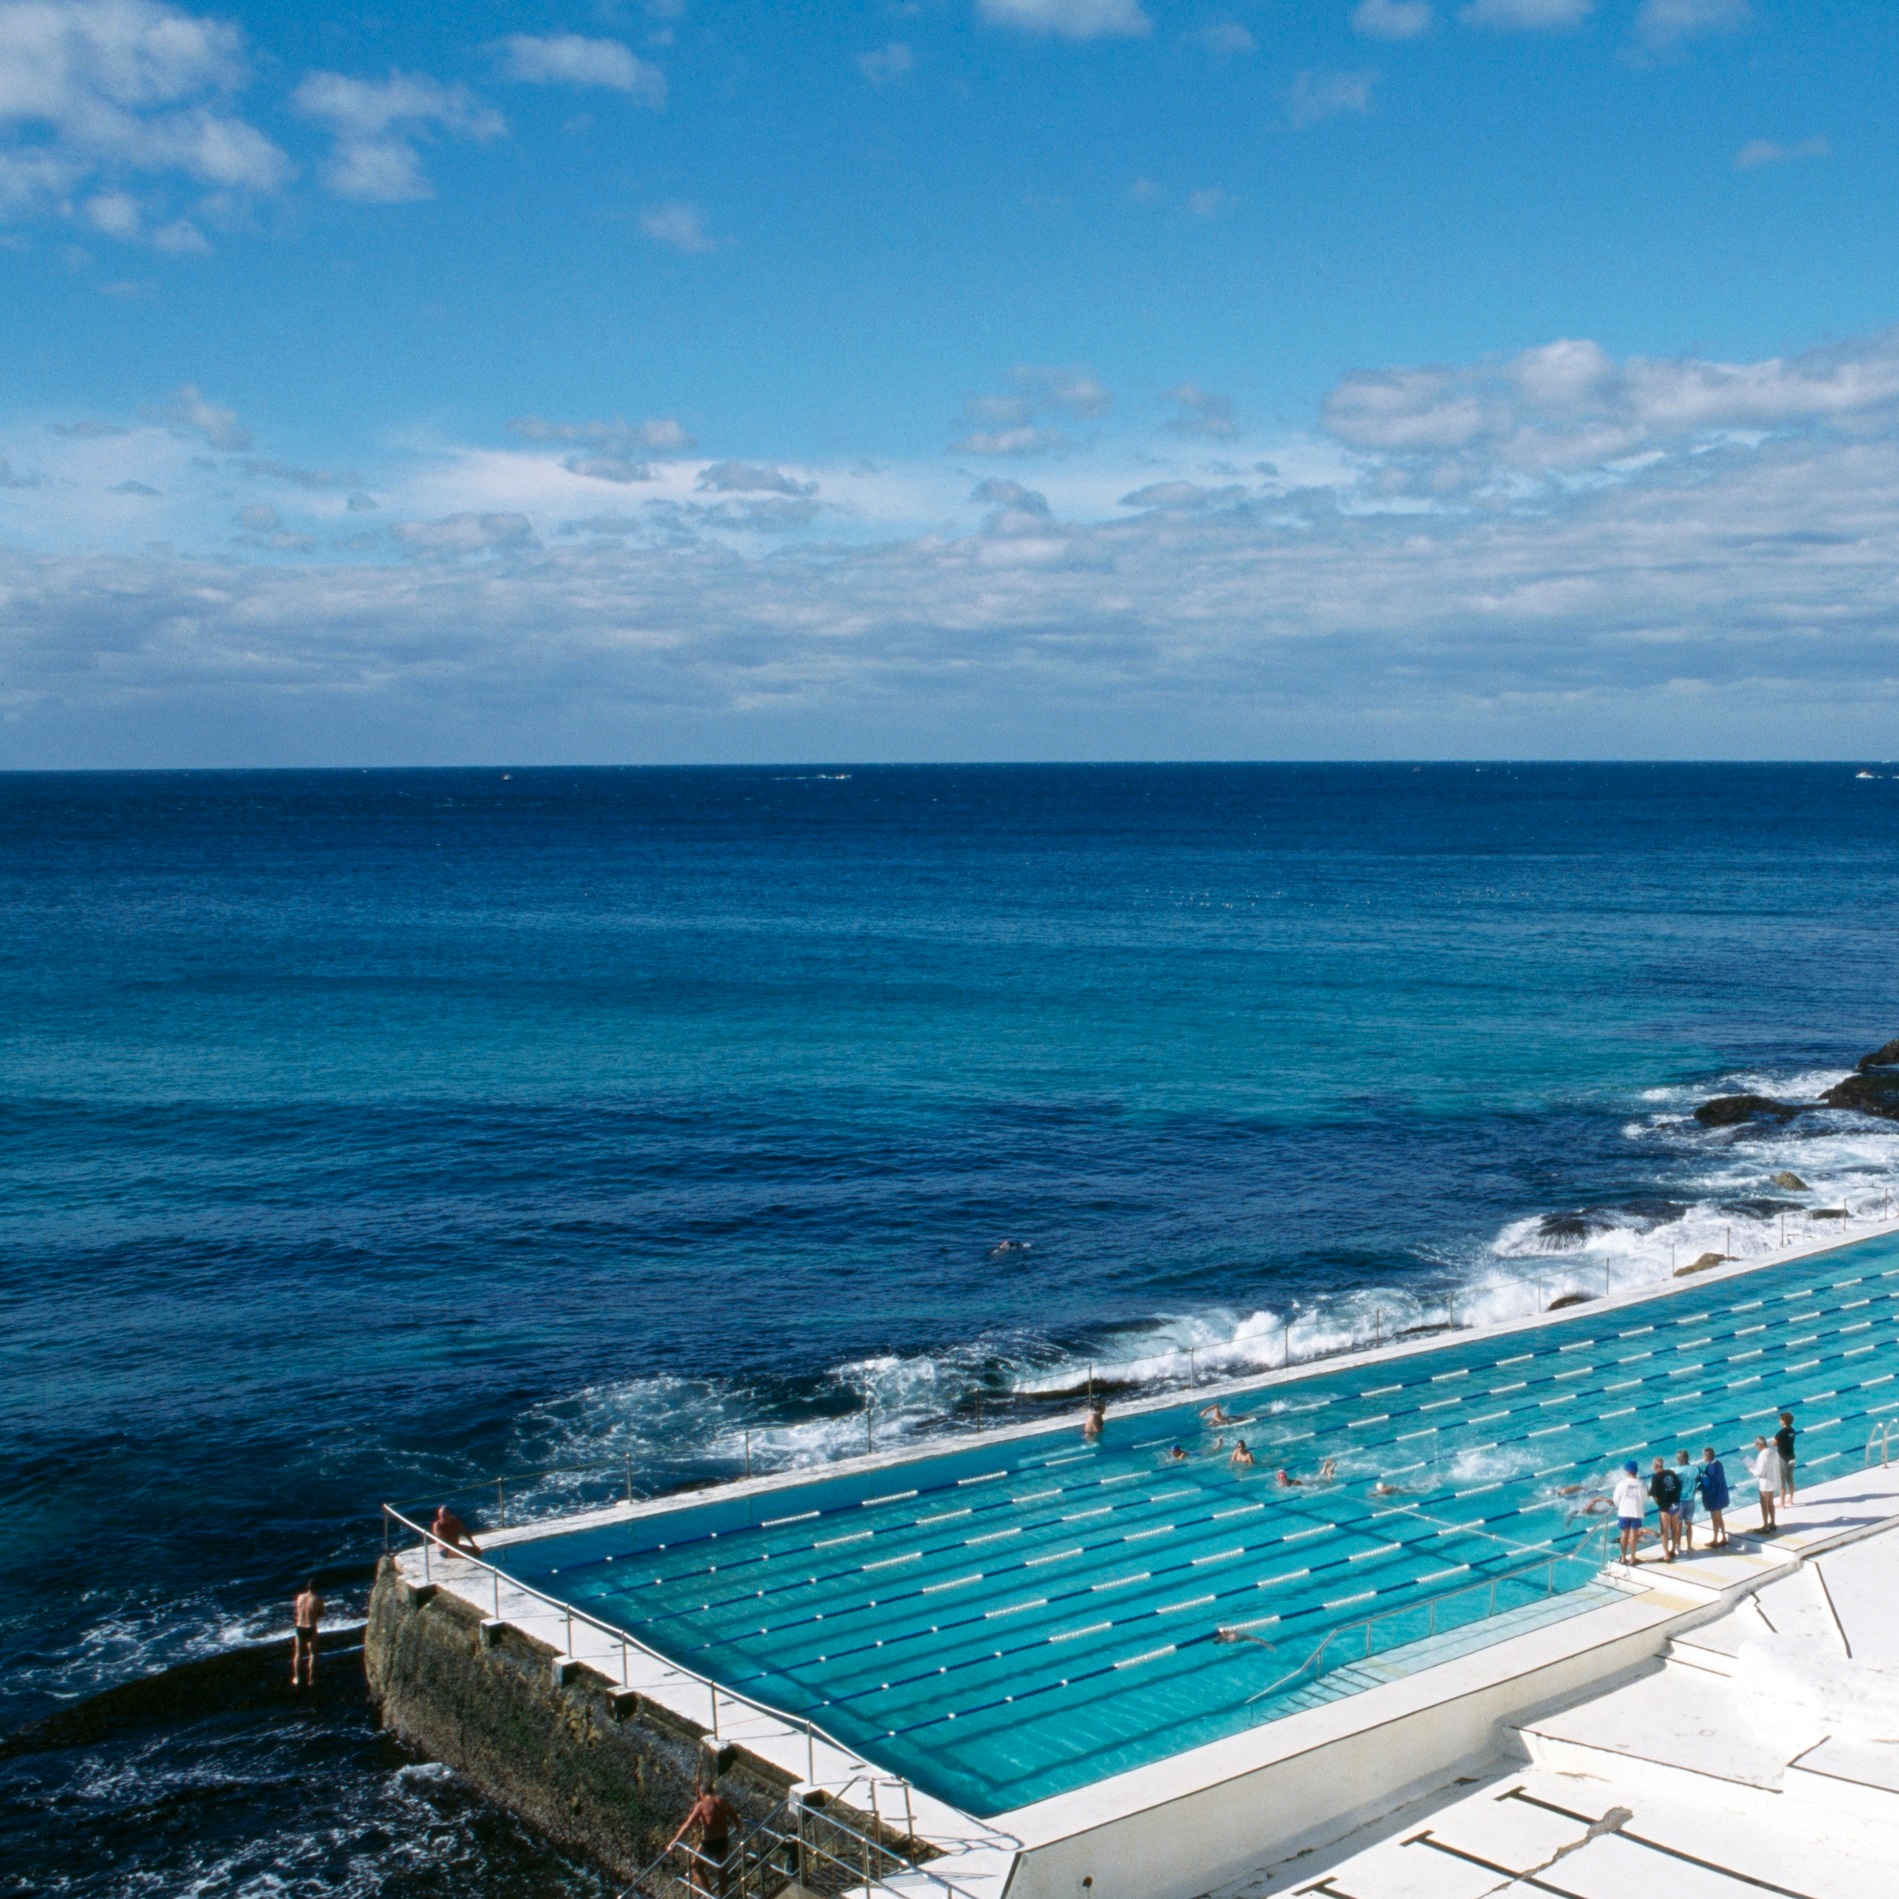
<point x="1712" y="1481"/>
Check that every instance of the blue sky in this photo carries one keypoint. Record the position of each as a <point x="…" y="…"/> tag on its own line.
<point x="962" y="378"/>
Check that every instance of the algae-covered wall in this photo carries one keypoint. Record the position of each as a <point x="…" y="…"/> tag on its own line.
<point x="603" y="1773"/>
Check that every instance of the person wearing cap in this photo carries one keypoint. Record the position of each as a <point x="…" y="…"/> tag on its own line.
<point x="1631" y="1504"/>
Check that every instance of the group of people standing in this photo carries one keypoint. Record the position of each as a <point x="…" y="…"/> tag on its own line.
<point x="1680" y="1491"/>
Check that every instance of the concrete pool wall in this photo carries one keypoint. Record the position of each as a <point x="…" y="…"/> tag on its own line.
<point x="1177" y="1824"/>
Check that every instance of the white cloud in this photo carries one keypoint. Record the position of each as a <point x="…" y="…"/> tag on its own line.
<point x="375" y="124"/>
<point x="1202" y="413"/>
<point x="681" y="227"/>
<point x="188" y="413"/>
<point x="566" y="59"/>
<point x="1227" y="39"/>
<point x="661" y="434"/>
<point x="1766" y="151"/>
<point x="1663" y="24"/>
<point x="1070" y="19"/>
<point x="459" y="535"/>
<point x="1024" y="439"/>
<point x="1528" y="16"/>
<point x="887" y="64"/>
<point x="1315" y="96"/>
<point x="96" y="92"/>
<point x="739" y="478"/>
<point x="1392" y="19"/>
<point x="1569" y="411"/>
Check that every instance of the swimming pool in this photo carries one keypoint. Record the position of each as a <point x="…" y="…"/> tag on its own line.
<point x="1010" y="1620"/>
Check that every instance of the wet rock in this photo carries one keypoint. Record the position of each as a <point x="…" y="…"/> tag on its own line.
<point x="1729" y="1111"/>
<point x="1701" y="1265"/>
<point x="1887" y="1057"/>
<point x="1791" y="1182"/>
<point x="1873" y="1092"/>
<point x="1557" y="1231"/>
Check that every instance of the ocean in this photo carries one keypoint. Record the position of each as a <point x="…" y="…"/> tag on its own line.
<point x="364" y="1135"/>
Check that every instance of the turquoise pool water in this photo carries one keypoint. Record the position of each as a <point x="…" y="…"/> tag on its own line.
<point x="1004" y="1622"/>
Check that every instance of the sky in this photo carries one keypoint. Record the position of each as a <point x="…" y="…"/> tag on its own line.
<point x="668" y="381"/>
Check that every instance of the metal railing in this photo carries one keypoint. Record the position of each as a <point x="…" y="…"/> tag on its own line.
<point x="797" y="1842"/>
<point x="1546" y="1567"/>
<point x="435" y="1549"/>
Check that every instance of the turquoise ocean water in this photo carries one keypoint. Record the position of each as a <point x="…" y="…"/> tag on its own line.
<point x="365" y="1134"/>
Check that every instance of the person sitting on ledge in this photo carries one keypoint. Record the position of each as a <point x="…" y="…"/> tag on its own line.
<point x="1242" y="1458"/>
<point x="452" y="1533"/>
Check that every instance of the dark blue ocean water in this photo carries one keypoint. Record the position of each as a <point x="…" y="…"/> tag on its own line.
<point x="365" y="1134"/>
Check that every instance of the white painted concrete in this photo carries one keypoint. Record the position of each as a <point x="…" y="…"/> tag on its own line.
<point x="1762" y="1754"/>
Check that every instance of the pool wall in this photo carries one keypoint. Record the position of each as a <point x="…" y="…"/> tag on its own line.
<point x="1186" y="1822"/>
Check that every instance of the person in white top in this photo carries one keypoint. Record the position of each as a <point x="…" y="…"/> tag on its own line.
<point x="1631" y="1502"/>
<point x="1767" y="1470"/>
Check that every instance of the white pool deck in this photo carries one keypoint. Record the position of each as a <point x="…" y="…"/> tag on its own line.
<point x="1345" y="1799"/>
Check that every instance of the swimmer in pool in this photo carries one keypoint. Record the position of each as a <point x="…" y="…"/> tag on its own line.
<point x="1242" y="1458"/>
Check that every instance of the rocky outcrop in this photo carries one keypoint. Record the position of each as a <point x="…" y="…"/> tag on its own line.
<point x="1728" y="1111"/>
<point x="1871" y="1091"/>
<point x="604" y="1773"/>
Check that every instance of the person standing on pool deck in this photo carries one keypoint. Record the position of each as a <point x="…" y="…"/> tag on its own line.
<point x="1665" y="1487"/>
<point x="1688" y="1478"/>
<point x="306" y="1613"/>
<point x="1713" y="1483"/>
<point x="1765" y="1468"/>
<point x="1631" y="1504"/>
<point x="1784" y="1444"/>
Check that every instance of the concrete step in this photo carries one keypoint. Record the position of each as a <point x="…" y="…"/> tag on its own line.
<point x="1859" y="1779"/>
<point x="1677" y="1733"/>
<point x="1702" y="1657"/>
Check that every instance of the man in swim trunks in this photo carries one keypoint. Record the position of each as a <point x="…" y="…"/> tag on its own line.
<point x="306" y="1615"/>
<point x="713" y="1817"/>
<point x="452" y="1532"/>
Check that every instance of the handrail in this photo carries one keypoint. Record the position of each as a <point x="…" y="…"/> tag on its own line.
<point x="1240" y="1631"/>
<point x="628" y="1644"/>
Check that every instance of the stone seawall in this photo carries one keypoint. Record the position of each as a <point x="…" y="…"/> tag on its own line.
<point x="602" y="1772"/>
